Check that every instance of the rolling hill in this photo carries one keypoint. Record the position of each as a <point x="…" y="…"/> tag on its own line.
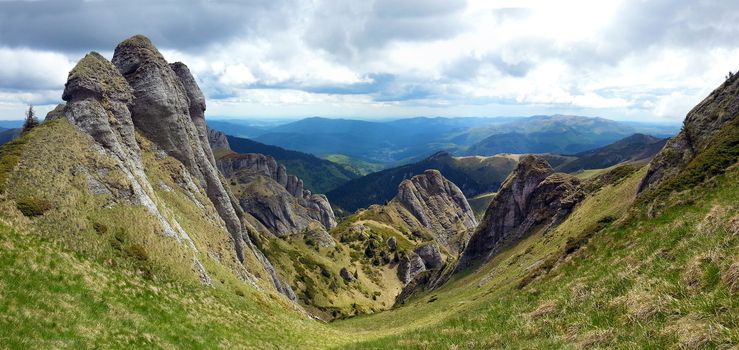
<point x="633" y="148"/>
<point x="410" y="140"/>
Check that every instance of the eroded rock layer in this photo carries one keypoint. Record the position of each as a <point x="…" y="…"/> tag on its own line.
<point x="533" y="197"/>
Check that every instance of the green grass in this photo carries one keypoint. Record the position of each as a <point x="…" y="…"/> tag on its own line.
<point x="356" y="166"/>
<point x="480" y="203"/>
<point x="54" y="298"/>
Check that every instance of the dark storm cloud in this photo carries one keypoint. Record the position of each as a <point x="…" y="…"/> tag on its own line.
<point x="75" y="25"/>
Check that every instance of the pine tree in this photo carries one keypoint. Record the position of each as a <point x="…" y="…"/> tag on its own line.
<point x="31" y="121"/>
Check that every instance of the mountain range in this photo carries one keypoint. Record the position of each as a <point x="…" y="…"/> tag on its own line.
<point x="406" y="140"/>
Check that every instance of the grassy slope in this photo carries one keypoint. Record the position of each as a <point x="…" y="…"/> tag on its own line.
<point x="480" y="203"/>
<point x="87" y="274"/>
<point x="54" y="298"/>
<point x="641" y="282"/>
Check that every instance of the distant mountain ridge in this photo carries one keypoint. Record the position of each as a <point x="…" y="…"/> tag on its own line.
<point x="408" y="140"/>
<point x="476" y="175"/>
<point x="473" y="175"/>
<point x="633" y="148"/>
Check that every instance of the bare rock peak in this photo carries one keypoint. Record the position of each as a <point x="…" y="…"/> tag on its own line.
<point x="532" y="196"/>
<point x="218" y="140"/>
<point x="438" y="205"/>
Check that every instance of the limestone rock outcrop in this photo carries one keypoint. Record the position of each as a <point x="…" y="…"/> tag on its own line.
<point x="140" y="92"/>
<point x="533" y="197"/>
<point x="276" y="199"/>
<point x="701" y="124"/>
<point x="218" y="140"/>
<point x="56" y="113"/>
<point x="409" y="267"/>
<point x="438" y="205"/>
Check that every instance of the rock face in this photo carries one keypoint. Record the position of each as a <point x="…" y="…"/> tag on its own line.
<point x="701" y="124"/>
<point x="430" y="255"/>
<point x="533" y="197"/>
<point x="346" y="275"/>
<point x="56" y="113"/>
<point x="409" y="267"/>
<point x="275" y="198"/>
<point x="97" y="102"/>
<point x="439" y="205"/>
<point x="141" y="92"/>
<point x="218" y="140"/>
<point x="161" y="111"/>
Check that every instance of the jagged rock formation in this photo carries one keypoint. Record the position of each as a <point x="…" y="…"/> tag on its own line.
<point x="533" y="197"/>
<point x="438" y="205"/>
<point x="409" y="267"/>
<point x="141" y="92"/>
<point x="702" y="123"/>
<point x="218" y="140"/>
<point x="97" y="102"/>
<point x="161" y="111"/>
<point x="276" y="199"/>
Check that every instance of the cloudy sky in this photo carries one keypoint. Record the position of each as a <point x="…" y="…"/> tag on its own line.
<point x="648" y="60"/>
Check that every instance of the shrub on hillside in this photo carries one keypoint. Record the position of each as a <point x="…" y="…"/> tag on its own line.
<point x="32" y="206"/>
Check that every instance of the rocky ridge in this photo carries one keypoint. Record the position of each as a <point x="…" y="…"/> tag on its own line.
<point x="439" y="206"/>
<point x="267" y="192"/>
<point x="534" y="197"/>
<point x="710" y="117"/>
<point x="139" y="92"/>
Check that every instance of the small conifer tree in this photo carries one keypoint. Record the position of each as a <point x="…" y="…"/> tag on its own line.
<point x="31" y="121"/>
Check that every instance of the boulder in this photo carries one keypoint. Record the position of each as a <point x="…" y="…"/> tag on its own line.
<point x="409" y="267"/>
<point x="392" y="244"/>
<point x="346" y="275"/>
<point x="430" y="255"/>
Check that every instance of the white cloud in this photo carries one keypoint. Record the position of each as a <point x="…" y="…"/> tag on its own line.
<point x="619" y="58"/>
<point x="27" y="69"/>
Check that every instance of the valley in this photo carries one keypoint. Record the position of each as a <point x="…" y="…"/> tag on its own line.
<point x="128" y="221"/>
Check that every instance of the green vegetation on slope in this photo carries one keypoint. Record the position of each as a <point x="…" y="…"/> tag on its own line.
<point x="356" y="166"/>
<point x="609" y="276"/>
<point x="479" y="204"/>
<point x="54" y="298"/>
<point x="657" y="283"/>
